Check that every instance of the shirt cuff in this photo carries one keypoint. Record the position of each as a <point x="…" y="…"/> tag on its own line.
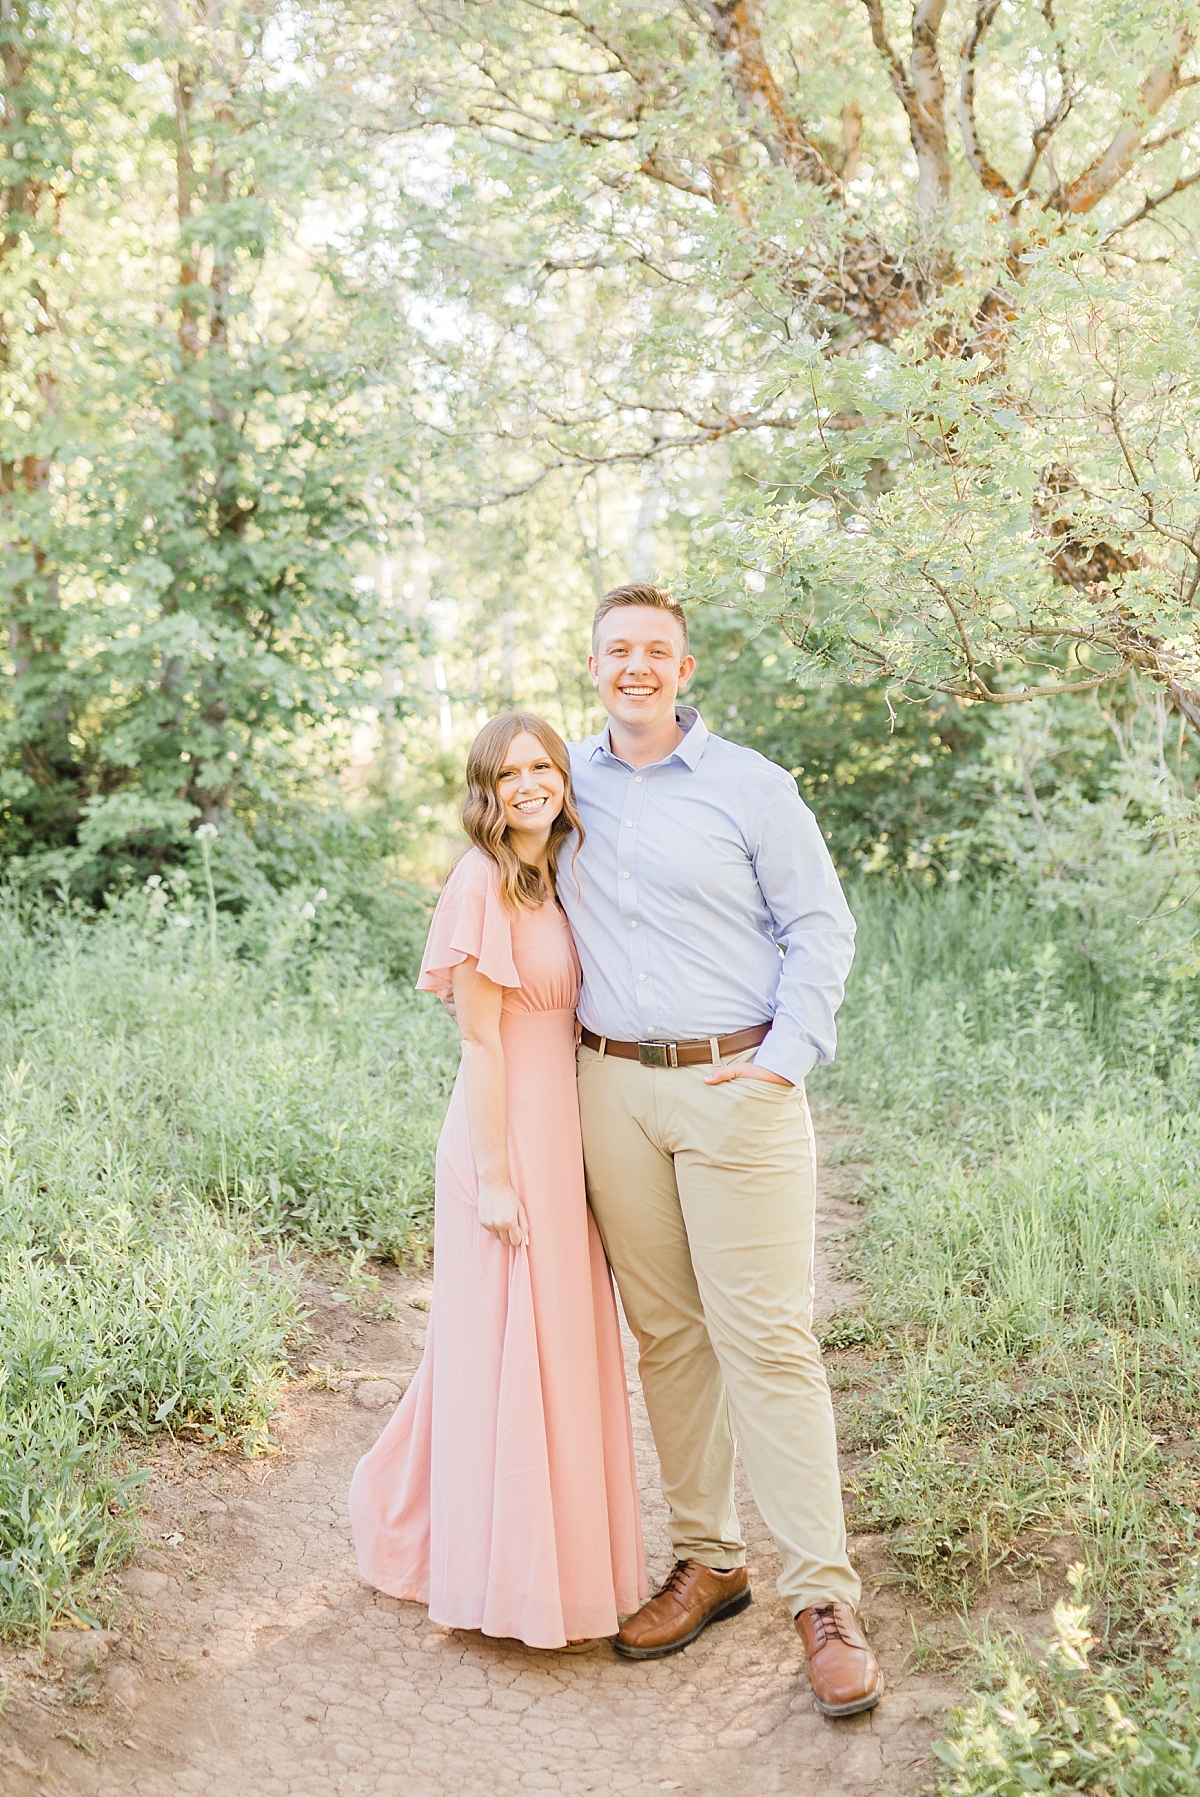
<point x="791" y="1060"/>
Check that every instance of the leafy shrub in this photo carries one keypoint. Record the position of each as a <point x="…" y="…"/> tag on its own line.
<point x="301" y="1088"/>
<point x="182" y="1088"/>
<point x="1029" y="1339"/>
<point x="66" y="1510"/>
<point x="1063" y="1725"/>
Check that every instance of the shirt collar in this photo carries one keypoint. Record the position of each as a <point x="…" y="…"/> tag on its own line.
<point x="688" y="751"/>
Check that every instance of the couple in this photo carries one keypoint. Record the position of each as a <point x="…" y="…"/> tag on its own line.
<point x="681" y="878"/>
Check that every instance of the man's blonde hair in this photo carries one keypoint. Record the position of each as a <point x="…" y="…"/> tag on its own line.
<point x="654" y="597"/>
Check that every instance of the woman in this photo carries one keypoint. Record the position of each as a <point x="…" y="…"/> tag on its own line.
<point x="502" y="1493"/>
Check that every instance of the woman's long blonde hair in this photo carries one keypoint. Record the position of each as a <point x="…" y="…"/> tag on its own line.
<point x="483" y="813"/>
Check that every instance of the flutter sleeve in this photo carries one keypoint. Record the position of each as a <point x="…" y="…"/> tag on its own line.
<point x="470" y="919"/>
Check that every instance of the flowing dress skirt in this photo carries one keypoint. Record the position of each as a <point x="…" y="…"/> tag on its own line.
<point x="502" y="1493"/>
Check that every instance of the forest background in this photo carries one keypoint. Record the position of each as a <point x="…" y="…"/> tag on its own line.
<point x="347" y="353"/>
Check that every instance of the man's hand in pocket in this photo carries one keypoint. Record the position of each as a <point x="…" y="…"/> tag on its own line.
<point x="744" y="1070"/>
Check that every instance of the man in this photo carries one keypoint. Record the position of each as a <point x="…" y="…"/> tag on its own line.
<point x="715" y="942"/>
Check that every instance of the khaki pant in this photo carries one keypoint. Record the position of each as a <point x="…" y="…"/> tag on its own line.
<point x="705" y="1199"/>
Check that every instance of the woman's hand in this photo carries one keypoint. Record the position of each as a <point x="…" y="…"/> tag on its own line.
<point x="478" y="1002"/>
<point x="502" y="1213"/>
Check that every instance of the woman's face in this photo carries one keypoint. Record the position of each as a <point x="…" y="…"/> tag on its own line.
<point x="531" y="790"/>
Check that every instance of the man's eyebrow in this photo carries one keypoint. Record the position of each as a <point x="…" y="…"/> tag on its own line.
<point x="618" y="642"/>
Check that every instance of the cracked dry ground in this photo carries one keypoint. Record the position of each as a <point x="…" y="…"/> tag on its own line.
<point x="252" y="1660"/>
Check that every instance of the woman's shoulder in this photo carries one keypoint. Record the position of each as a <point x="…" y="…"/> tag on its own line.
<point x="474" y="871"/>
<point x="472" y="886"/>
<point x="469" y="920"/>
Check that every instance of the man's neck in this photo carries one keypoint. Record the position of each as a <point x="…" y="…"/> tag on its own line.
<point x="643" y="748"/>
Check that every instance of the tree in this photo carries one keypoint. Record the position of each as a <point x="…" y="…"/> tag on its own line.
<point x="188" y="432"/>
<point x="927" y="285"/>
<point x="60" y="88"/>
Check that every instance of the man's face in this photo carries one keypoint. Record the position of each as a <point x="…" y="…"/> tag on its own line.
<point x="639" y="665"/>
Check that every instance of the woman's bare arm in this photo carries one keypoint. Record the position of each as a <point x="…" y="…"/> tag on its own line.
<point x="477" y="1002"/>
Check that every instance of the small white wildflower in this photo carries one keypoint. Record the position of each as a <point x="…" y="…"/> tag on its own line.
<point x="1121" y="1723"/>
<point x="1072" y="1640"/>
<point x="307" y="910"/>
<point x="206" y="832"/>
<point x="322" y="895"/>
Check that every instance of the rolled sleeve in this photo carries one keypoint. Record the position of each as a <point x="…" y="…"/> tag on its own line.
<point x="791" y="1058"/>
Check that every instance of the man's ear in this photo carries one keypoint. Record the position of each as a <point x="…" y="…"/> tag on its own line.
<point x="594" y="670"/>
<point x="687" y="668"/>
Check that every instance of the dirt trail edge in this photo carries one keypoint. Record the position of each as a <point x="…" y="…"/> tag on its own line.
<point x="253" y="1662"/>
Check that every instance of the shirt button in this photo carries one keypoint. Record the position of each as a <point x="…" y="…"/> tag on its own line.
<point x="633" y="925"/>
<point x="637" y="779"/>
<point x="624" y="876"/>
<point x="629" y="823"/>
<point x="641" y="976"/>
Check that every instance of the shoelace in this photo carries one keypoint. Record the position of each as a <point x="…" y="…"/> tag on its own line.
<point x="828" y="1627"/>
<point x="675" y="1578"/>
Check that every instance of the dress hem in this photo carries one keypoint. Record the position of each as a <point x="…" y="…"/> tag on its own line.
<point x="586" y="1630"/>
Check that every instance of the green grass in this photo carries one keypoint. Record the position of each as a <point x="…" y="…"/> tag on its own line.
<point x="187" y="1106"/>
<point x="174" y="1103"/>
<point x="1062" y="1723"/>
<point x="1029" y="1348"/>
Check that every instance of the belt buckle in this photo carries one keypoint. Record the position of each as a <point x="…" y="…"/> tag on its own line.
<point x="658" y="1054"/>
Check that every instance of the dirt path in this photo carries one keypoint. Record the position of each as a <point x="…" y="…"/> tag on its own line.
<point x="256" y="1664"/>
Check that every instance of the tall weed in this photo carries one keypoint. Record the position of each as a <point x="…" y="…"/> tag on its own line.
<point x="181" y="1091"/>
<point x="1061" y="1723"/>
<point x="1029" y="1344"/>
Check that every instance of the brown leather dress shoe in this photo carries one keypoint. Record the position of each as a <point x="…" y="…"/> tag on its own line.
<point x="692" y="1597"/>
<point x="842" y="1670"/>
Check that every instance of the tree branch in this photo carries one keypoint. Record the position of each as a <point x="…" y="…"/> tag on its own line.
<point x="671" y="175"/>
<point x="985" y="695"/>
<point x="1053" y="119"/>
<point x="921" y="90"/>
<point x="1102" y="175"/>
<point x="989" y="177"/>
<point x="1186" y="702"/>
<point x="1150" y="205"/>
<point x="736" y="30"/>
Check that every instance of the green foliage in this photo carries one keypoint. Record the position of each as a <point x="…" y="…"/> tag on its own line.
<point x="188" y="442"/>
<point x="1062" y="1725"/>
<point x="175" y="1097"/>
<point x="304" y="1095"/>
<point x="934" y="417"/>
<point x="945" y="567"/>
<point x="66" y="1511"/>
<point x="894" y="790"/>
<point x="1029" y="1258"/>
<point x="1091" y="807"/>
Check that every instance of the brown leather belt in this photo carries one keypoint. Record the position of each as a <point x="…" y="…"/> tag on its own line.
<point x="677" y="1054"/>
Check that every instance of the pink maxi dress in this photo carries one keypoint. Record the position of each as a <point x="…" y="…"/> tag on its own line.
<point x="502" y="1493"/>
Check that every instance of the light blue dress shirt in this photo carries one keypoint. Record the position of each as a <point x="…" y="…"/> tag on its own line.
<point x="704" y="900"/>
